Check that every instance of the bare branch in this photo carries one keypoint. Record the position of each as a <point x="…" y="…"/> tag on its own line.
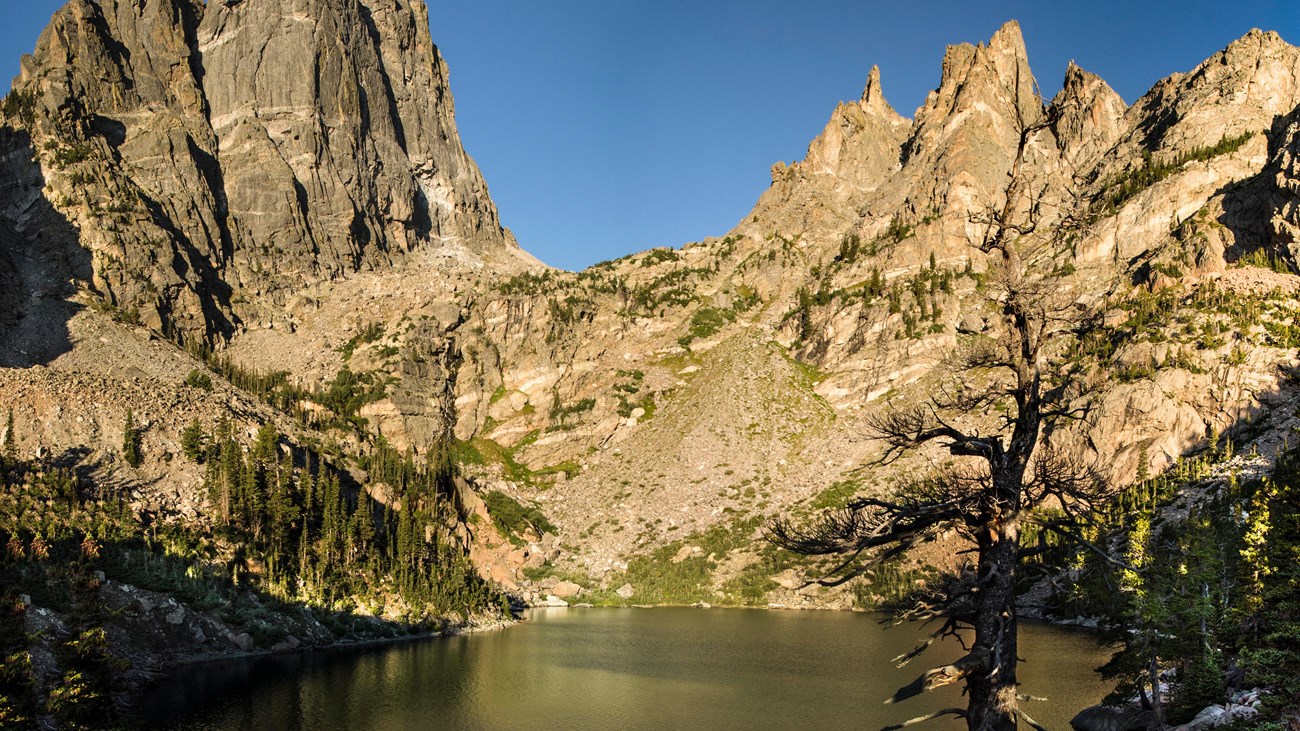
<point x="975" y="662"/>
<point x="1028" y="720"/>
<point x="959" y="713"/>
<point x="858" y="527"/>
<point x="906" y="429"/>
<point x="1071" y="535"/>
<point x="947" y="629"/>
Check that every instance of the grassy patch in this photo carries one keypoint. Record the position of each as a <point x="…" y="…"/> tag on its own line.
<point x="657" y="580"/>
<point x="515" y="520"/>
<point x="569" y="468"/>
<point x="835" y="496"/>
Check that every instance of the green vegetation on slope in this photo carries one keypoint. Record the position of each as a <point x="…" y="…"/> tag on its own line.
<point x="1207" y="581"/>
<point x="513" y="520"/>
<point x="1115" y="193"/>
<point x="292" y="545"/>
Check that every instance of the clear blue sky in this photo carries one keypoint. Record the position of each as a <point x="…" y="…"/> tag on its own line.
<point x="605" y="127"/>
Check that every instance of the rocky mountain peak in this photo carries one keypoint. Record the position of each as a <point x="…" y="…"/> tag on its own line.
<point x="1243" y="88"/>
<point x="993" y="78"/>
<point x="871" y="93"/>
<point x="1087" y="115"/>
<point x="262" y="147"/>
<point x="964" y="136"/>
<point x="854" y="154"/>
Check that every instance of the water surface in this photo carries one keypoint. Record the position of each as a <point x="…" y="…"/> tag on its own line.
<point x="618" y="669"/>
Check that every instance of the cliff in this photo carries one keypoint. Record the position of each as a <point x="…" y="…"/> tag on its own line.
<point x="274" y="177"/>
<point x="211" y="158"/>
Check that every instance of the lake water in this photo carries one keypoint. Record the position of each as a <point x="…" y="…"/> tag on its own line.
<point x="618" y="669"/>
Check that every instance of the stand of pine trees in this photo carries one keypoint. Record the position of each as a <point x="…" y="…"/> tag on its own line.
<point x="322" y="541"/>
<point x="288" y="532"/>
<point x="1210" y="589"/>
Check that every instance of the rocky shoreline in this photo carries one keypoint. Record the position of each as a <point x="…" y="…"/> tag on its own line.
<point x="154" y="634"/>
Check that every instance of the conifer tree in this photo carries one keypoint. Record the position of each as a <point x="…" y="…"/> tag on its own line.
<point x="193" y="441"/>
<point x="1274" y="659"/>
<point x="131" y="441"/>
<point x="11" y="440"/>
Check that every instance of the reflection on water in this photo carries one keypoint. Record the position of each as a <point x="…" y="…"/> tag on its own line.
<point x="617" y="669"/>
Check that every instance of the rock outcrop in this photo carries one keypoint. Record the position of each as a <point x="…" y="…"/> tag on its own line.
<point x="214" y="158"/>
<point x="858" y="150"/>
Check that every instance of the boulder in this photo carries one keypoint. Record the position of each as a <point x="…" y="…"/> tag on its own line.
<point x="566" y="589"/>
<point x="244" y="642"/>
<point x="686" y="552"/>
<point x="1111" y="718"/>
<point x="972" y="325"/>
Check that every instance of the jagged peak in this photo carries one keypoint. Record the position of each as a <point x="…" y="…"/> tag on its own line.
<point x="873" y="98"/>
<point x="872" y="90"/>
<point x="1245" y="50"/>
<point x="1256" y="75"/>
<point x="1078" y="81"/>
<point x="1086" y="114"/>
<point x="1009" y="38"/>
<point x="960" y="59"/>
<point x="1255" y="37"/>
<point x="998" y="70"/>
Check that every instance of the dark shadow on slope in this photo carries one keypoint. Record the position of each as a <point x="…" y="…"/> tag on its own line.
<point x="42" y="263"/>
<point x="377" y="43"/>
<point x="1250" y="204"/>
<point x="161" y="591"/>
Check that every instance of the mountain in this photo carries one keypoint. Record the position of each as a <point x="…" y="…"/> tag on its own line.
<point x="274" y="195"/>
<point x="213" y="157"/>
<point x="859" y="266"/>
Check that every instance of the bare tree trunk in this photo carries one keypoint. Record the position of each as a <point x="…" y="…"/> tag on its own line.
<point x="993" y="692"/>
<point x="1157" y="697"/>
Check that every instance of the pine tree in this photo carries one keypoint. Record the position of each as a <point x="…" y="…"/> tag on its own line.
<point x="193" y="441"/>
<point x="281" y="510"/>
<point x="11" y="440"/>
<point x="131" y="441"/>
<point x="1274" y="660"/>
<point x="267" y="439"/>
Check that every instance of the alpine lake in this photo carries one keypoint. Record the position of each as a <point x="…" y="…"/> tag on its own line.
<point x="606" y="668"/>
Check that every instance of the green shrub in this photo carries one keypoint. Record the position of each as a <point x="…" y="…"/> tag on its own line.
<point x="513" y="519"/>
<point x="199" y="379"/>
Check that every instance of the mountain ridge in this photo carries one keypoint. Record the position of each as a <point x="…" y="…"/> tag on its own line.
<point x="847" y="283"/>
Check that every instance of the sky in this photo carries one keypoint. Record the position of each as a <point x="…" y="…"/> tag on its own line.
<point x="605" y="127"/>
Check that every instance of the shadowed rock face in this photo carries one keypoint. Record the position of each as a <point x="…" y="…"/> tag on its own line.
<point x="249" y="146"/>
<point x="1111" y="718"/>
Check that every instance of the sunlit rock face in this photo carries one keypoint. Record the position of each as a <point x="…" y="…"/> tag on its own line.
<point x="250" y="147"/>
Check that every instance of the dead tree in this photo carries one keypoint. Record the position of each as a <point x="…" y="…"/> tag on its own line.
<point x="1026" y="369"/>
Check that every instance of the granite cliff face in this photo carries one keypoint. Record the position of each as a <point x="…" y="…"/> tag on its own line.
<point x="212" y="157"/>
<point x="275" y="172"/>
